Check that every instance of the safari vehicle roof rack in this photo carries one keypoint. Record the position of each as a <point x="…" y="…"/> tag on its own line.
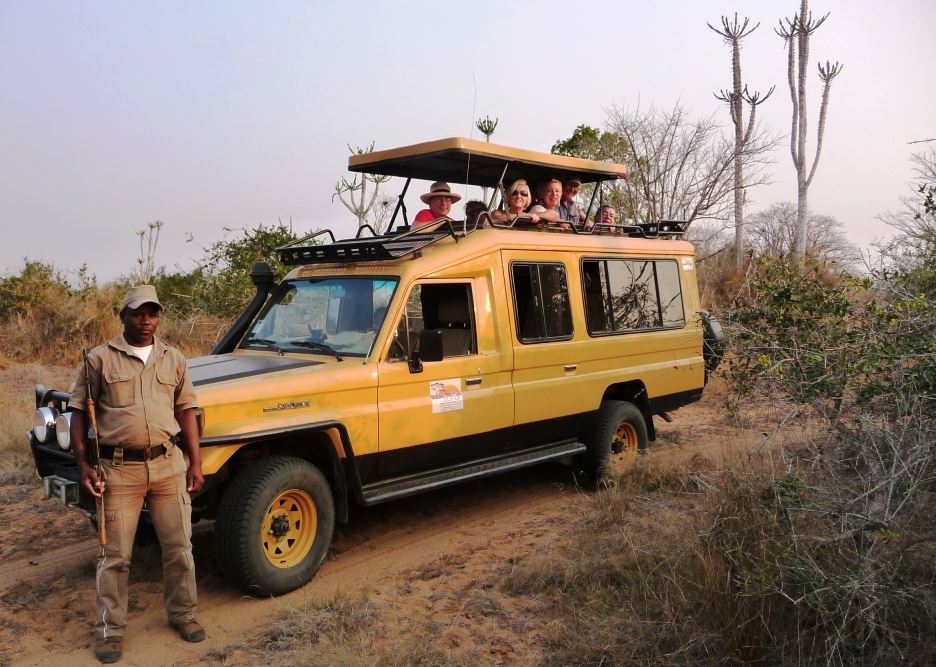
<point x="664" y="229"/>
<point x="371" y="248"/>
<point x="400" y="244"/>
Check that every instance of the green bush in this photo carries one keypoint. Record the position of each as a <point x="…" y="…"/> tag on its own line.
<point x="841" y="345"/>
<point x="223" y="286"/>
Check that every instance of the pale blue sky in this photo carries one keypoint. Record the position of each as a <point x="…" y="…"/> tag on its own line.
<point x="208" y="115"/>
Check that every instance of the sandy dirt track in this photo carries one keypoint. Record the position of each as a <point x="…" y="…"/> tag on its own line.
<point x="47" y="568"/>
<point x="46" y="598"/>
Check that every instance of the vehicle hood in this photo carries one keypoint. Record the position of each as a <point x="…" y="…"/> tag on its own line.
<point x="221" y="367"/>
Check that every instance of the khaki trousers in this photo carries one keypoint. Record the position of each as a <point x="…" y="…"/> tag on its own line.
<point x="161" y="482"/>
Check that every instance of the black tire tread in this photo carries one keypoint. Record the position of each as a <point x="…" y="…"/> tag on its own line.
<point x="244" y="495"/>
<point x="598" y="442"/>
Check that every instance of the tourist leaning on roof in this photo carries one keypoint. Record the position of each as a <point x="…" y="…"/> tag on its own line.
<point x="518" y="200"/>
<point x="607" y="217"/>
<point x="144" y="398"/>
<point x="547" y="207"/>
<point x="439" y="199"/>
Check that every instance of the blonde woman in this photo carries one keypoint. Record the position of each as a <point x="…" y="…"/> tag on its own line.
<point x="519" y="198"/>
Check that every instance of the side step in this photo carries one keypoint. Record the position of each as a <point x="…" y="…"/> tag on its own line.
<point x="407" y="486"/>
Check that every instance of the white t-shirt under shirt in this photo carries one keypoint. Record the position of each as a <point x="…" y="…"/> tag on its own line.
<point x="141" y="352"/>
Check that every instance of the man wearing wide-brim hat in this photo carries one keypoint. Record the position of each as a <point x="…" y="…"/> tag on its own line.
<point x="144" y="399"/>
<point x="439" y="199"/>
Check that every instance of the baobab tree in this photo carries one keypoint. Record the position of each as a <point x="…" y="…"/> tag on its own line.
<point x="796" y="32"/>
<point x="733" y="31"/>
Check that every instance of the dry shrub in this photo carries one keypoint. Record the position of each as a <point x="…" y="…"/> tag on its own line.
<point x="57" y="327"/>
<point x="719" y="280"/>
<point x="195" y="335"/>
<point x="53" y="326"/>
<point x="754" y="562"/>
<point x="17" y="403"/>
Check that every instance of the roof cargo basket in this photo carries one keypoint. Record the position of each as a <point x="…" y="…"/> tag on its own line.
<point x="369" y="249"/>
<point x="663" y="228"/>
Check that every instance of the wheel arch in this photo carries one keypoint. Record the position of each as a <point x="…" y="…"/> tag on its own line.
<point x="633" y="391"/>
<point x="325" y="445"/>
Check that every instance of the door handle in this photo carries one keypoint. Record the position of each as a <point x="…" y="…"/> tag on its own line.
<point x="471" y="381"/>
<point x="570" y="367"/>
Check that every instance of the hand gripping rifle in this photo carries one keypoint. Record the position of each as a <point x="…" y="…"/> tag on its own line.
<point x="95" y="452"/>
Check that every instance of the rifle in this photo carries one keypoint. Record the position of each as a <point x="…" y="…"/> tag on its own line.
<point x="95" y="452"/>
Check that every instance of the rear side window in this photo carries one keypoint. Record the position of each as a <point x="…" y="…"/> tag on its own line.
<point x="629" y="294"/>
<point x="541" y="295"/>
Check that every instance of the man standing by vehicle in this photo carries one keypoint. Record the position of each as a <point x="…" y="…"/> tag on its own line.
<point x="144" y="397"/>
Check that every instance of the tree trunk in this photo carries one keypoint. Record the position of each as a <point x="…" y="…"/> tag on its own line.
<point x="802" y="39"/>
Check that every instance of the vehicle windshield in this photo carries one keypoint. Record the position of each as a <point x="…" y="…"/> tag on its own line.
<point x="337" y="316"/>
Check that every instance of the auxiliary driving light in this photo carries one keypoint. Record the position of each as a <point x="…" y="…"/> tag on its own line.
<point x="63" y="430"/>
<point x="44" y="423"/>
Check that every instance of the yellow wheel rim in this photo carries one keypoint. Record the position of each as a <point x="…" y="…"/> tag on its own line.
<point x="625" y="437"/>
<point x="288" y="529"/>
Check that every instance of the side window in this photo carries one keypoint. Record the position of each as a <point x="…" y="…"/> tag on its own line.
<point x="626" y="295"/>
<point x="541" y="295"/>
<point x="671" y="305"/>
<point x="446" y="307"/>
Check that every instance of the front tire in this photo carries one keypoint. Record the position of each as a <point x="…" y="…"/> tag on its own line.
<point x="274" y="525"/>
<point x="618" y="434"/>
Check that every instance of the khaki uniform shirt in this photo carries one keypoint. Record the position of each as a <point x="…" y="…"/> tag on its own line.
<point x="134" y="404"/>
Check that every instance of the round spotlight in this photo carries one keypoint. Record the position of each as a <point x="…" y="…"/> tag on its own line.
<point x="44" y="423"/>
<point x="63" y="430"/>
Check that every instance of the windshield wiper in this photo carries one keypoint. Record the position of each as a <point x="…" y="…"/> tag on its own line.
<point x="316" y="346"/>
<point x="266" y="342"/>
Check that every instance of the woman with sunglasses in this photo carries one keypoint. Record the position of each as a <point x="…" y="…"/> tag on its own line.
<point x="518" y="200"/>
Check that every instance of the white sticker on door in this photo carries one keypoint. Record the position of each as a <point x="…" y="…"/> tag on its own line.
<point x="446" y="395"/>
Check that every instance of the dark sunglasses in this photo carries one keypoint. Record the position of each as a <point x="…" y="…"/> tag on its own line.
<point x="519" y="192"/>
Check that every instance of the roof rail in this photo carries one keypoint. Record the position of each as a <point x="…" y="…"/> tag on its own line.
<point x="370" y="249"/>
<point x="397" y="245"/>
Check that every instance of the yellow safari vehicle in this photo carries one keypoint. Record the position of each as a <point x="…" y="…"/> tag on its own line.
<point x="384" y="366"/>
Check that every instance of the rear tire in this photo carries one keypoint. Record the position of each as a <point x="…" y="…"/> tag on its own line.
<point x="618" y="434"/>
<point x="274" y="525"/>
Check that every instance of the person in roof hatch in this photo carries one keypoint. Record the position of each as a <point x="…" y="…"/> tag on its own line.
<point x="547" y="207"/>
<point x="518" y="201"/>
<point x="439" y="199"/>
<point x="568" y="210"/>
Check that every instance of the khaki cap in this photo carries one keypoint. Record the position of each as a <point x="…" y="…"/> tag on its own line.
<point x="139" y="295"/>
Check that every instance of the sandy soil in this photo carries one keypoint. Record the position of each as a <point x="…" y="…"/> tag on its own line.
<point x="423" y="559"/>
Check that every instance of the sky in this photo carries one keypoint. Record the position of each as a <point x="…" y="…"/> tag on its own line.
<point x="215" y="116"/>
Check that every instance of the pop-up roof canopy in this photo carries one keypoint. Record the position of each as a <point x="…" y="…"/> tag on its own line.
<point x="460" y="160"/>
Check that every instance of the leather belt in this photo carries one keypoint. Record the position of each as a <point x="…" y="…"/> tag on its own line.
<point x="107" y="452"/>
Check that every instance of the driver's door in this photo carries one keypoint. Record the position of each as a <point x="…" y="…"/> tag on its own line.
<point x="455" y="410"/>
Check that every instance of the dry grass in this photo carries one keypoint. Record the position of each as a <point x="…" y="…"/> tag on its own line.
<point x="752" y="561"/>
<point x="17" y="404"/>
<point x="335" y="632"/>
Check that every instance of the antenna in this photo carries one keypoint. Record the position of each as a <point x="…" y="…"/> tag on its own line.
<point x="474" y="108"/>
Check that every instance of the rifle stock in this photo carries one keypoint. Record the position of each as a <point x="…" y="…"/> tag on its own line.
<point x="95" y="452"/>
